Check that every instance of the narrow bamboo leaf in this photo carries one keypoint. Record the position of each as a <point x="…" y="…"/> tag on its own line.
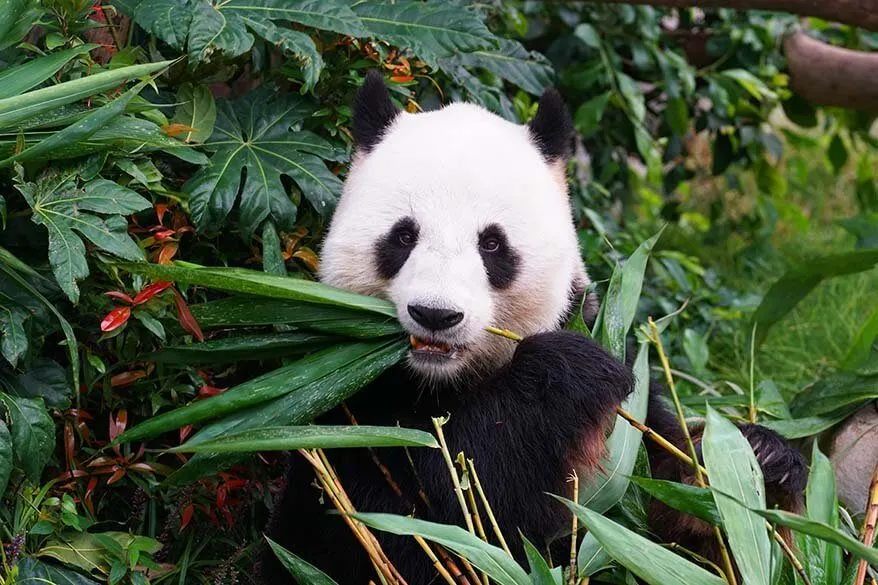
<point x="798" y="428"/>
<point x="611" y="481"/>
<point x="304" y="573"/>
<point x="16" y="80"/>
<point x="17" y="17"/>
<point x="690" y="499"/>
<point x="797" y="283"/>
<point x="494" y="561"/>
<point x="822" y="531"/>
<point x="822" y="561"/>
<point x="243" y="347"/>
<point x="863" y="342"/>
<point x="296" y="408"/>
<point x="592" y="556"/>
<point x="540" y="572"/>
<point x="835" y="392"/>
<point x="651" y="562"/>
<point x="262" y="389"/>
<point x="252" y="282"/>
<point x="312" y="437"/>
<point x="16" y="109"/>
<point x="733" y="470"/>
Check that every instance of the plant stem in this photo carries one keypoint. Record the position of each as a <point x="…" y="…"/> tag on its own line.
<point x="488" y="510"/>
<point x="788" y="552"/>
<point x="504" y="333"/>
<point x="869" y="525"/>
<point x="572" y="578"/>
<point x="655" y="437"/>
<point x="458" y="491"/>
<point x="437" y="564"/>
<point x="473" y="505"/>
<point x="753" y="375"/>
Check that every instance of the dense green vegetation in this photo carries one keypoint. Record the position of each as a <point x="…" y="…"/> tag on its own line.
<point x="136" y="150"/>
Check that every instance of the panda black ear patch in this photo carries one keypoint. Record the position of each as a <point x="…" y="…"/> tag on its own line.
<point x="552" y="127"/>
<point x="373" y="112"/>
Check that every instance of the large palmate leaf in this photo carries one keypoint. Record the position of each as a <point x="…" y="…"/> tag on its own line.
<point x="529" y="70"/>
<point x="68" y="210"/>
<point x="432" y="30"/>
<point x="33" y="571"/>
<point x="254" y="135"/>
<point x="32" y="431"/>
<point x="13" y="339"/>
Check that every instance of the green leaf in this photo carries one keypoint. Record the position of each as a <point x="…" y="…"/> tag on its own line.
<point x="294" y="44"/>
<point x="589" y="115"/>
<point x="807" y="426"/>
<point x="592" y="557"/>
<point x="5" y="457"/>
<point x="822" y="561"/>
<point x="863" y="227"/>
<point x="431" y="30"/>
<point x="60" y="205"/>
<point x="16" y="80"/>
<point x="690" y="499"/>
<point x="304" y="573"/>
<point x="254" y="134"/>
<point x="862" y="343"/>
<point x="837" y="153"/>
<point x="274" y="384"/>
<point x="295" y="408"/>
<point x="252" y="282"/>
<point x="33" y="433"/>
<point x="588" y="34"/>
<point x="734" y="471"/>
<point x="771" y="401"/>
<point x="798" y="282"/>
<point x="13" y="338"/>
<point x="822" y="531"/>
<point x="833" y="393"/>
<point x="529" y="70"/>
<point x="752" y="84"/>
<point x="493" y="561"/>
<point x="272" y="257"/>
<point x="46" y="379"/>
<point x="611" y="481"/>
<point x="16" y="109"/>
<point x="258" y="346"/>
<point x="677" y="116"/>
<point x="196" y="109"/>
<point x="32" y="571"/>
<point x="651" y="562"/>
<point x="799" y="111"/>
<point x="540" y="572"/>
<point x="696" y="349"/>
<point x="17" y="17"/>
<point x="311" y="437"/>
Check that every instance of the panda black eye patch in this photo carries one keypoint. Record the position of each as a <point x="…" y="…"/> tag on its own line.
<point x="500" y="260"/>
<point x="393" y="249"/>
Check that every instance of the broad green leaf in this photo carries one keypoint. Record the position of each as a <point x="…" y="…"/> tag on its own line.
<point x="833" y="393"/>
<point x="258" y="346"/>
<point x="253" y="134"/>
<point x="623" y="294"/>
<point x="677" y="116"/>
<point x="690" y="499"/>
<point x="78" y="131"/>
<point x="33" y="433"/>
<point x="588" y="34"/>
<point x="304" y="573"/>
<point x="798" y="428"/>
<point x="798" y="282"/>
<point x="252" y="282"/>
<point x="529" y="70"/>
<point x="431" y="30"/>
<point x="292" y="43"/>
<point x="17" y="17"/>
<point x="16" y="80"/>
<point x="6" y="457"/>
<point x="284" y="380"/>
<point x="822" y="531"/>
<point x="540" y="572"/>
<point x="771" y="401"/>
<point x="592" y="557"/>
<point x="799" y="111"/>
<point x="822" y="561"/>
<point x="13" y="338"/>
<point x="752" y="84"/>
<point x="837" y="153"/>
<point x="696" y="349"/>
<point x="60" y="204"/>
<point x="46" y="379"/>
<point x="493" y="561"/>
<point x="311" y="437"/>
<point x="245" y="312"/>
<point x="650" y="561"/>
<point x="90" y="552"/>
<point x="733" y="470"/>
<point x="863" y="342"/>
<point x="32" y="571"/>
<point x="611" y="481"/>
<point x="16" y="109"/>
<point x="588" y="116"/>
<point x="197" y="110"/>
<point x="295" y="408"/>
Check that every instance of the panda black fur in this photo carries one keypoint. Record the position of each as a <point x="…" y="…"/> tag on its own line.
<point x="462" y="220"/>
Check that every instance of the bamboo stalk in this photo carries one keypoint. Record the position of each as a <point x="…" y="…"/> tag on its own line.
<point x="788" y="552"/>
<point x="436" y="563"/>
<point x="504" y="333"/>
<point x="869" y="526"/>
<point x="575" y="527"/>
<point x="488" y="510"/>
<point x="458" y="491"/>
<point x="473" y="505"/>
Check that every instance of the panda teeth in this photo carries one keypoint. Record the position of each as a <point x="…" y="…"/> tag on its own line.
<point x="429" y="346"/>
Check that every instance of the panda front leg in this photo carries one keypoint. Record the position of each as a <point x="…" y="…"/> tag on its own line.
<point x="543" y="416"/>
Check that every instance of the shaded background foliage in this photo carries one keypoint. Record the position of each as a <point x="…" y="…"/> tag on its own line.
<point x="218" y="135"/>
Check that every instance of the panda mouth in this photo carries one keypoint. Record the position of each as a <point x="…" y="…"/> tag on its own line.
<point x="431" y="348"/>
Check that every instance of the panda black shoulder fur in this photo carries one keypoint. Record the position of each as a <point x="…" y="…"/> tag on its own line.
<point x="462" y="220"/>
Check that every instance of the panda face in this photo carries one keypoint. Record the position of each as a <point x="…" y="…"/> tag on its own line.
<point x="458" y="218"/>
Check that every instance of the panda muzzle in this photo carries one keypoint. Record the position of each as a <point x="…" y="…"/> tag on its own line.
<point x="428" y="346"/>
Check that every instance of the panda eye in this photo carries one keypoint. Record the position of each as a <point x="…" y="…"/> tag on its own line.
<point x="406" y="238"/>
<point x="490" y="245"/>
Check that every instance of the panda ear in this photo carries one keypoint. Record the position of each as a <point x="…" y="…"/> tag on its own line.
<point x="552" y="127"/>
<point x="373" y="112"/>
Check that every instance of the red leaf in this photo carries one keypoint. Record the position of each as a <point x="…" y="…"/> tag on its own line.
<point x="151" y="291"/>
<point x="187" y="320"/>
<point x="119" y="295"/>
<point x="167" y="253"/>
<point x="115" y="319"/>
<point x="185" y="432"/>
<point x="118" y="424"/>
<point x="117" y="475"/>
<point x="160" y="210"/>
<point x="73" y="473"/>
<point x="162" y="235"/>
<point x="186" y="516"/>
<point x="402" y="78"/>
<point x="208" y="391"/>
<point x="126" y="378"/>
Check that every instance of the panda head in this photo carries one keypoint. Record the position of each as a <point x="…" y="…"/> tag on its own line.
<point x="462" y="220"/>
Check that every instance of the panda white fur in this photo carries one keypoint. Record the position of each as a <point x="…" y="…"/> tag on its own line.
<point x="462" y="220"/>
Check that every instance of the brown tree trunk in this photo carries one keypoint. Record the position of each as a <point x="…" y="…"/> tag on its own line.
<point x="831" y="76"/>
<point x="860" y="13"/>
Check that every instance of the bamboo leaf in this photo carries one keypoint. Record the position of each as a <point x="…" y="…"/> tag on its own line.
<point x="822" y="561"/>
<point x="303" y="572"/>
<point x="690" y="499"/>
<point x="16" y="80"/>
<point x="243" y="347"/>
<point x="540" y="572"/>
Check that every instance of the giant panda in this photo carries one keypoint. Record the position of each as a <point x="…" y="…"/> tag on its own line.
<point x="462" y="219"/>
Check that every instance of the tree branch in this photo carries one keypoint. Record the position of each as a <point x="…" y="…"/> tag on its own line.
<point x="860" y="13"/>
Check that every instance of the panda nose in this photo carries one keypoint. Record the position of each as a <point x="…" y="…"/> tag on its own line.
<point x="435" y="319"/>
